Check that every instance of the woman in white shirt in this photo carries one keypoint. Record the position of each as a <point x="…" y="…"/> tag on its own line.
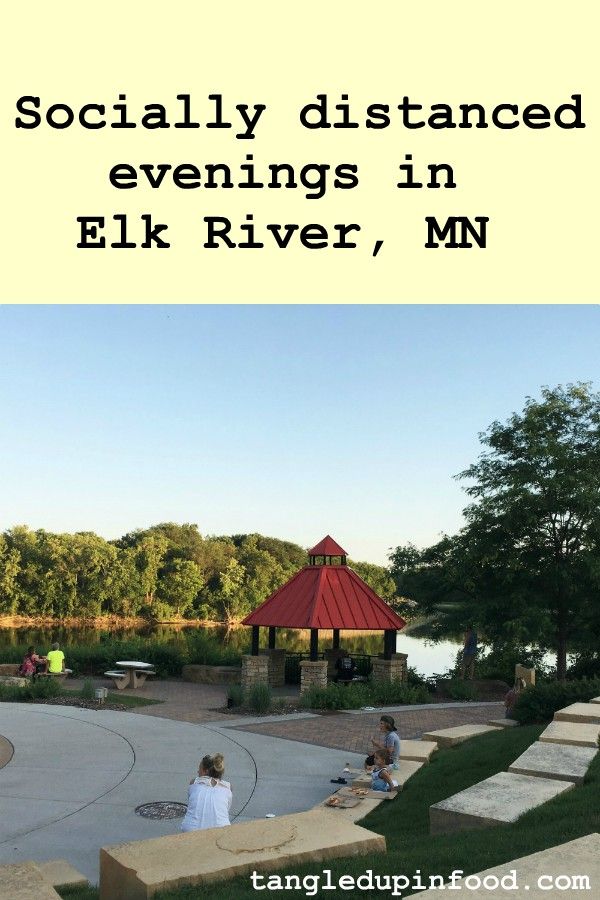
<point x="209" y="797"/>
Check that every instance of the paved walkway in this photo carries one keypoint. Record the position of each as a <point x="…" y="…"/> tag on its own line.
<point x="77" y="776"/>
<point x="353" y="732"/>
<point x="183" y="701"/>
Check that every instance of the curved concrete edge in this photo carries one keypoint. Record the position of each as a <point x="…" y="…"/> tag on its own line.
<point x="138" y="870"/>
<point x="6" y="751"/>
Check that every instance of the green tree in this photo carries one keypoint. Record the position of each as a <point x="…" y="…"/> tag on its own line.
<point x="149" y="557"/>
<point x="379" y="579"/>
<point x="10" y="560"/>
<point x="526" y="565"/>
<point x="229" y="598"/>
<point x="179" y="586"/>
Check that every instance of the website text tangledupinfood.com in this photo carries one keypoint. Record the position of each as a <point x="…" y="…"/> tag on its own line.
<point x="401" y="885"/>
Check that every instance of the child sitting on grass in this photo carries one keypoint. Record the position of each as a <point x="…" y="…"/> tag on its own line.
<point x="381" y="776"/>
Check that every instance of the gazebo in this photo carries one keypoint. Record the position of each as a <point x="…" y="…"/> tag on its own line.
<point x="325" y="594"/>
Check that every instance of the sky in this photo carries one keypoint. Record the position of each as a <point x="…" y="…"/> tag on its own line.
<point x="291" y="421"/>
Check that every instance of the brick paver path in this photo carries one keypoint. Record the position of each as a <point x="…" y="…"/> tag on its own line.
<point x="342" y="731"/>
<point x="180" y="700"/>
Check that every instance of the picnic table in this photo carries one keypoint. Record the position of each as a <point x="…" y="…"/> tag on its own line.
<point x="131" y="673"/>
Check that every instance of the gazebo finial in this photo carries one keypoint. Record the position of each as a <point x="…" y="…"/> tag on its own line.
<point x="327" y="548"/>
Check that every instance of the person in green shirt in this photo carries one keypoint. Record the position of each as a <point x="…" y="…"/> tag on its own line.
<point x="56" y="660"/>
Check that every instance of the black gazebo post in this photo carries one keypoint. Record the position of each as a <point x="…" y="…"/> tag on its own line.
<point x="271" y="637"/>
<point x="335" y="644"/>
<point x="314" y="644"/>
<point x="389" y="644"/>
<point x="255" y="630"/>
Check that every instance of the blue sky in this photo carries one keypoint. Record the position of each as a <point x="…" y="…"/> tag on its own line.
<point x="294" y="421"/>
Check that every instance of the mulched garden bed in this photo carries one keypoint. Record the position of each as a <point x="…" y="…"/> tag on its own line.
<point x="81" y="703"/>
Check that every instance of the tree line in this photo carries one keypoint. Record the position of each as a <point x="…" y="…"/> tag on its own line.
<point x="163" y="572"/>
<point x="525" y="568"/>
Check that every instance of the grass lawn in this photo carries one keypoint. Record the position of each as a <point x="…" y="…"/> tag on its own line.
<point x="124" y="699"/>
<point x="405" y="823"/>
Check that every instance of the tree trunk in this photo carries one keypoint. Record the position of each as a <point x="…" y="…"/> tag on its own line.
<point x="561" y="647"/>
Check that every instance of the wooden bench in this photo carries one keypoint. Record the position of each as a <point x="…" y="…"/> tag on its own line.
<point x="120" y="679"/>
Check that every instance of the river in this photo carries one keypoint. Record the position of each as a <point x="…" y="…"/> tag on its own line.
<point x="426" y="657"/>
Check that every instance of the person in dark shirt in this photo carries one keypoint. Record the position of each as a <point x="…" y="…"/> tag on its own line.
<point x="469" y="654"/>
<point x="345" y="668"/>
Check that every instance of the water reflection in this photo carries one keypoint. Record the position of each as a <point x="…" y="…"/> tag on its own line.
<point x="428" y="658"/>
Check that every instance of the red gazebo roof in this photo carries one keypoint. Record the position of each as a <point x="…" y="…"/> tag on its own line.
<point x="327" y="547"/>
<point x="326" y="597"/>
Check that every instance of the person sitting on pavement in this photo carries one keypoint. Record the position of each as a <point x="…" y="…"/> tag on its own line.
<point x="32" y="663"/>
<point x="209" y="796"/>
<point x="345" y="668"/>
<point x="56" y="660"/>
<point x="390" y="742"/>
<point x="512" y="696"/>
<point x="381" y="776"/>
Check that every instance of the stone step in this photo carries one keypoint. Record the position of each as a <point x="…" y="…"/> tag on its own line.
<point x="449" y="737"/>
<point x="575" y="733"/>
<point x="406" y="769"/>
<point x="419" y="751"/>
<point x="25" y="881"/>
<point x="563" y="762"/>
<point x="595" y="700"/>
<point x="370" y="795"/>
<point x="587" y="713"/>
<point x="503" y="723"/>
<point x="498" y="800"/>
<point x="60" y="873"/>
<point x="138" y="870"/>
<point x="355" y="812"/>
<point x="581" y="857"/>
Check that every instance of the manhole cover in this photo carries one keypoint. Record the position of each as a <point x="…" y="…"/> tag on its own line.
<point x="161" y="809"/>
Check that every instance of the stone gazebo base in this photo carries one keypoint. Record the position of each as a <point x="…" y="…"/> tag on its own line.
<point x="255" y="670"/>
<point x="393" y="669"/>
<point x="313" y="673"/>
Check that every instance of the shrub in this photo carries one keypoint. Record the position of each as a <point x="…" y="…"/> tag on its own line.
<point x="458" y="689"/>
<point x="40" y="689"/>
<point x="354" y="696"/>
<point x="235" y="695"/>
<point x="385" y="693"/>
<point x="259" y="698"/>
<point x="499" y="663"/>
<point x="539" y="703"/>
<point x="415" y="679"/>
<point x="587" y="665"/>
<point x="87" y="691"/>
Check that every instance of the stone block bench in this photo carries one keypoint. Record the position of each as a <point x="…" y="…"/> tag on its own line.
<point x="586" y="713"/>
<point x="406" y="769"/>
<point x="25" y="881"/>
<point x="200" y="674"/>
<point x="15" y="680"/>
<point x="503" y="723"/>
<point x="419" y="751"/>
<point x="581" y="857"/>
<point x="450" y="737"/>
<point x="564" y="762"/>
<point x="9" y="668"/>
<point x="139" y="870"/>
<point x="595" y="700"/>
<point x="30" y="880"/>
<point x="499" y="800"/>
<point x="575" y="733"/>
<point x="64" y="674"/>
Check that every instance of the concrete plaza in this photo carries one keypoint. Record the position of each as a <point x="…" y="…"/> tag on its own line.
<point x="77" y="775"/>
